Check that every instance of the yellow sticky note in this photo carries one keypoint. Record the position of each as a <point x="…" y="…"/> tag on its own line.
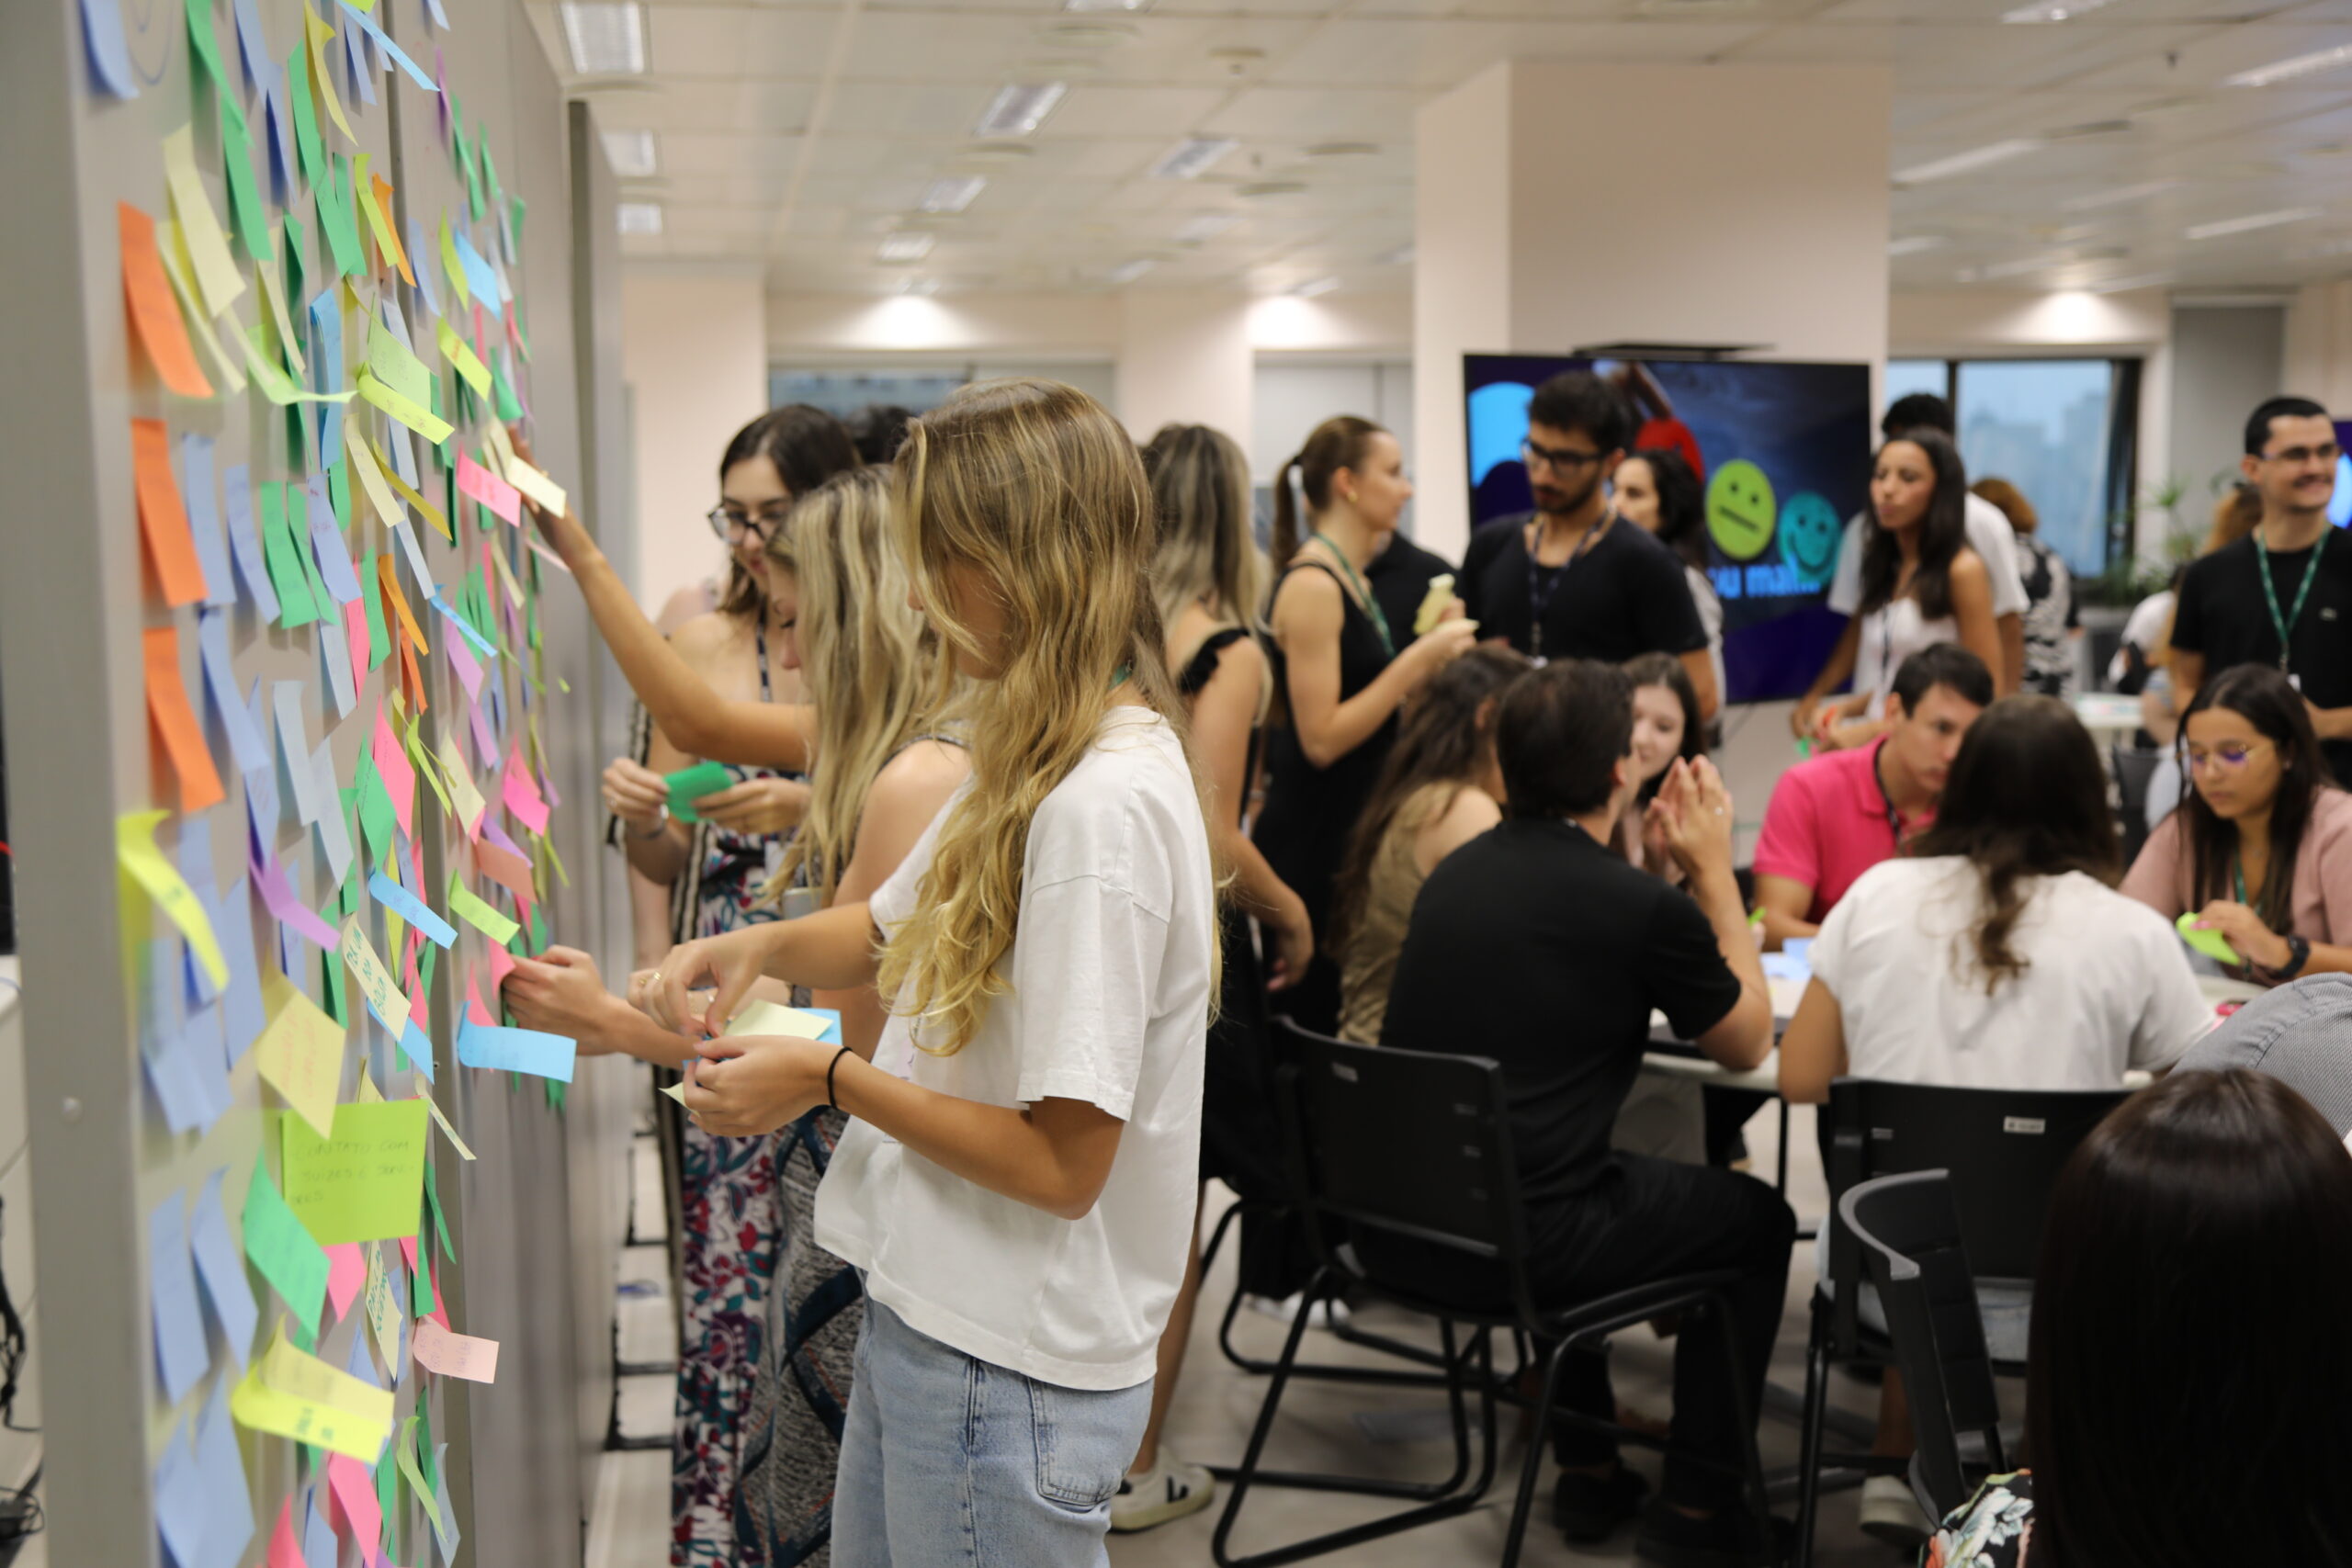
<point x="216" y="269"/>
<point x="274" y="297"/>
<point x="768" y="1018"/>
<point x="135" y="851"/>
<point x="448" y="1130"/>
<point x="541" y="491"/>
<point x="477" y="914"/>
<point x="676" y="1091"/>
<point x="450" y="266"/>
<point x="500" y="446"/>
<point x="274" y="384"/>
<point x="375" y="981"/>
<point x="300" y="1053"/>
<point x="295" y="1396"/>
<point x="414" y="415"/>
<point x="383" y="1306"/>
<point x="302" y="1375"/>
<point x="371" y="483"/>
<point x="404" y="1449"/>
<point x="423" y="508"/>
<point x="322" y="78"/>
<point x="506" y="575"/>
<point x="369" y="1093"/>
<point x="462" y="792"/>
<point x="173" y="252"/>
<point x="461" y="354"/>
<point x="366" y="1182"/>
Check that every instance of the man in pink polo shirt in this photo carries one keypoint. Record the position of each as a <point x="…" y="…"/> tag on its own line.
<point x="1835" y="817"/>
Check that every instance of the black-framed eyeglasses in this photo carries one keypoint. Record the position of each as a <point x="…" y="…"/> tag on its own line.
<point x="726" y="522"/>
<point x="2326" y="452"/>
<point x="1559" y="459"/>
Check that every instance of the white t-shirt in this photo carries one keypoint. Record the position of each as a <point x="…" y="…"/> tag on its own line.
<point x="1110" y="975"/>
<point x="2107" y="984"/>
<point x="1989" y="535"/>
<point x="1889" y="635"/>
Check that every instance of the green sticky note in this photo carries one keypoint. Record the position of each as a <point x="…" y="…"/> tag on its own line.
<point x="379" y="821"/>
<point x="510" y="407"/>
<point x="690" y="784"/>
<point x="363" y="1184"/>
<point x="289" y="1257"/>
<point x="245" y="207"/>
<point x="309" y="151"/>
<point x="2212" y="944"/>
<point x="334" y="196"/>
<point x="296" y="238"/>
<point x="388" y="1499"/>
<point x="489" y="169"/>
<point x="425" y="970"/>
<point x="433" y="1206"/>
<point x="396" y="366"/>
<point x="201" y="42"/>
<point x="339" y="493"/>
<point x="297" y="534"/>
<point x="330" y="966"/>
<point x="379" y="637"/>
<point x="296" y="607"/>
<point x="421" y="1299"/>
<point x="539" y="937"/>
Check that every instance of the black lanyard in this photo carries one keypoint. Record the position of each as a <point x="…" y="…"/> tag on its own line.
<point x="1539" y="597"/>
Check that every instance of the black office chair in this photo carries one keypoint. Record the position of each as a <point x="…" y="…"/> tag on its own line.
<point x="2134" y="769"/>
<point x="1412" y="1145"/>
<point x="1909" y="1232"/>
<point x="2003" y="1149"/>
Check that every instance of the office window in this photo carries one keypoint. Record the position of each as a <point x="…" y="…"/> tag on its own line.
<point x="2048" y="427"/>
<point x="1904" y="377"/>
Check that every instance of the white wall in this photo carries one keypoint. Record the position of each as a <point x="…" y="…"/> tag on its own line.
<point x="694" y="351"/>
<point x="2225" y="360"/>
<point x="1184" y="357"/>
<point x="2319" y="345"/>
<point x="1296" y="393"/>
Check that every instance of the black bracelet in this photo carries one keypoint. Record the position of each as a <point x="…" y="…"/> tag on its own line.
<point x="836" y="1062"/>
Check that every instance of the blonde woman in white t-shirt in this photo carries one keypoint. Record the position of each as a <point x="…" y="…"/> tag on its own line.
<point x="1999" y="954"/>
<point x="1020" y="1203"/>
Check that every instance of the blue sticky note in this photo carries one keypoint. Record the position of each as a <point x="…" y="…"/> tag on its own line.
<point x="318" y="1536"/>
<point x="253" y="44"/>
<point x="241" y="1017"/>
<point x="109" y="49"/>
<point x="294" y="748"/>
<point x="411" y="908"/>
<point x="222" y="1270"/>
<point x="204" y="517"/>
<point x="334" y="828"/>
<point x="326" y="544"/>
<point x="445" y="1527"/>
<point x="180" y="1508"/>
<point x="237" y="490"/>
<point x="516" y="1050"/>
<point x="417" y="1046"/>
<point x="464" y="628"/>
<point x="195" y="860"/>
<point x="440" y="18"/>
<point x="245" y="742"/>
<point x="358" y="70"/>
<point x="282" y="163"/>
<point x="479" y="277"/>
<point x="831" y="1033"/>
<point x="425" y="284"/>
<point x="181" y="1355"/>
<point x="182" y="1095"/>
<point x="228" y="1508"/>
<point x="390" y="49"/>
<point x="362" y="1365"/>
<point x="334" y="652"/>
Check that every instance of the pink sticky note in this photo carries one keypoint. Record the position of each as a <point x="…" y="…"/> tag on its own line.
<point x="479" y="483"/>
<point x="284" y="1549"/>
<point x="522" y="795"/>
<point x="462" y="660"/>
<point x="474" y="1009"/>
<point x="485" y="740"/>
<point x="346" y="1272"/>
<point x="354" y="631"/>
<point x="502" y="964"/>
<point x="408" y="1250"/>
<point x="398" y="773"/>
<point x="454" y="1355"/>
<point x="355" y="1496"/>
<point x="269" y="879"/>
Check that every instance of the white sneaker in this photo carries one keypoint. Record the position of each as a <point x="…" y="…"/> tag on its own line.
<point x="1328" y="1314"/>
<point x="1891" y="1514"/>
<point x="1169" y="1490"/>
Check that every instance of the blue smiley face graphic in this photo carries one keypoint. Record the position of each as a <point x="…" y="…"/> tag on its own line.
<point x="1809" y="536"/>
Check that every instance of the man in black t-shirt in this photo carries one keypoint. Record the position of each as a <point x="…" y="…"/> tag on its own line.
<point x="1538" y="946"/>
<point x="1572" y="579"/>
<point x="1399" y="577"/>
<point x="2229" y="615"/>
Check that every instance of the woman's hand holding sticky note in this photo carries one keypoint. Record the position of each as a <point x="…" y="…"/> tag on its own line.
<point x="2211" y="944"/>
<point x="1433" y="603"/>
<point x="690" y="784"/>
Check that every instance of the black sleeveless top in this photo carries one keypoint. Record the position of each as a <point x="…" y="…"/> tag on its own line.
<point x="1309" y="812"/>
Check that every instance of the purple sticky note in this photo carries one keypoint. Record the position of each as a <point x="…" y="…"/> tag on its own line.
<point x="237" y="490"/>
<point x="204" y="517"/>
<point x="181" y="1356"/>
<point x="222" y="1270"/>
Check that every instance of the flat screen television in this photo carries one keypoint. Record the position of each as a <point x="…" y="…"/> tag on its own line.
<point x="1784" y="451"/>
<point x="2339" y="505"/>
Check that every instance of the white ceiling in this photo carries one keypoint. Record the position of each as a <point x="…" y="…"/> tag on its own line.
<point x="795" y="135"/>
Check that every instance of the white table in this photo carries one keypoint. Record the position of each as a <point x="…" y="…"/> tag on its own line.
<point x="2108" y="714"/>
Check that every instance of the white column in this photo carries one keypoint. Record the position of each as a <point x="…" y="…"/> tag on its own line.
<point x="1185" y="356"/>
<point x="694" y="350"/>
<point x="2319" y="345"/>
<point x="1567" y="205"/>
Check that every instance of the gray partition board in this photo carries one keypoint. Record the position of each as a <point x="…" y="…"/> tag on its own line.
<point x="346" y="193"/>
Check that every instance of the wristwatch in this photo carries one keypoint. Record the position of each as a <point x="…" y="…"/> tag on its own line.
<point x="2299" y="952"/>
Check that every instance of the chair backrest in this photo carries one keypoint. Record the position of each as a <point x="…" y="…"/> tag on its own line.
<point x="1413" y="1143"/>
<point x="2133" y="769"/>
<point x="2003" y="1147"/>
<point x="1908" y="1230"/>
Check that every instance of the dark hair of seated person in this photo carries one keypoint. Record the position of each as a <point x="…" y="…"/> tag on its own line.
<point x="1560" y="734"/>
<point x="2267" y="700"/>
<point x="2190" y="1397"/>
<point x="1943" y="664"/>
<point x="1665" y="669"/>
<point x="1448" y="726"/>
<point x="2027" y="797"/>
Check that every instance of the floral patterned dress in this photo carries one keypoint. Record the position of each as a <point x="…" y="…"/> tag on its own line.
<point x="1992" y="1530"/>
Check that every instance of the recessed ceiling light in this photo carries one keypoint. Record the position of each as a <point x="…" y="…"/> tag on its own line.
<point x="2120" y="195"/>
<point x="1272" y="188"/>
<point x="2137" y="280"/>
<point x="631" y="154"/>
<point x="1343" y="149"/>
<point x="2077" y="131"/>
<point x="1965" y="163"/>
<point x="2293" y="66"/>
<point x="606" y="37"/>
<point x="989" y="152"/>
<point x="1401" y="257"/>
<point x="952" y="194"/>
<point x="1315" y="287"/>
<point x="1106" y="4"/>
<point x="1191" y="157"/>
<point x="1089" y="35"/>
<point x="1020" y="108"/>
<point x="637" y="217"/>
<point x="1202" y="227"/>
<point x="2056" y="10"/>
<point x="911" y="245"/>
<point x="1129" y="271"/>
<point x="1912" y="245"/>
<point x="2249" y="224"/>
<point x="920" y="285"/>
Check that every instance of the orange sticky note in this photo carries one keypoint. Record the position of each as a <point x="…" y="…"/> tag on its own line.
<point x="388" y="237"/>
<point x="157" y="316"/>
<point x="162" y="519"/>
<point x="183" y="738"/>
<point x="389" y="580"/>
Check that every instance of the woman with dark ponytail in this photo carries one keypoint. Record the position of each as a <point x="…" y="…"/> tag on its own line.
<point x="1340" y="671"/>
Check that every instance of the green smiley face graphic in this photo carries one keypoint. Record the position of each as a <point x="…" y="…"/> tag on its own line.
<point x="1739" y="510"/>
<point x="1809" y="535"/>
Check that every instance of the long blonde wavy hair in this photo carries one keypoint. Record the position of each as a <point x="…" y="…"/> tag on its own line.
<point x="866" y="656"/>
<point x="1033" y="489"/>
<point x="1200" y="488"/>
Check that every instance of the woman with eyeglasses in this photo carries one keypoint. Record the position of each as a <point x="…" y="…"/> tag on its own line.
<point x="713" y="870"/>
<point x="2261" y="846"/>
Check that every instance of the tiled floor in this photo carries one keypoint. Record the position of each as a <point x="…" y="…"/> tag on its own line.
<point x="1323" y="1427"/>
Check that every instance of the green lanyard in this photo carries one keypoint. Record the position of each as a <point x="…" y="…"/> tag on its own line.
<point x="1371" y="605"/>
<point x="2285" y="624"/>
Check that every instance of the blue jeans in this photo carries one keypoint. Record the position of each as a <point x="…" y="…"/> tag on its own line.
<point x="952" y="1462"/>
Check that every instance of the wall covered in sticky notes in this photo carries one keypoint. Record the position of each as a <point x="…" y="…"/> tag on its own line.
<point x="275" y="270"/>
